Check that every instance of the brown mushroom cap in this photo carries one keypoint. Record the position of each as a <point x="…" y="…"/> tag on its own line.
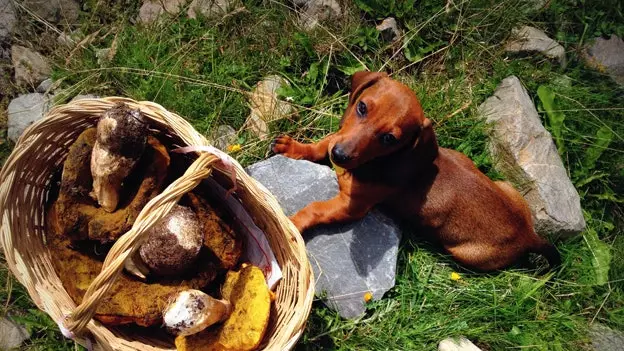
<point x="173" y="244"/>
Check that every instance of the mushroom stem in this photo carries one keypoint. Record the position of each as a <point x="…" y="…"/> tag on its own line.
<point x="135" y="266"/>
<point x="193" y="311"/>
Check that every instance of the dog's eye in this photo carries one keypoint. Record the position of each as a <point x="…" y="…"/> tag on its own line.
<point x="388" y="139"/>
<point x="361" y="109"/>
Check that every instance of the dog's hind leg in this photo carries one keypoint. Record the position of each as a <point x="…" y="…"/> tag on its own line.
<point x="287" y="146"/>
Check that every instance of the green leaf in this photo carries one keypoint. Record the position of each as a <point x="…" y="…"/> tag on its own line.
<point x="601" y="256"/>
<point x="555" y="116"/>
<point x="604" y="135"/>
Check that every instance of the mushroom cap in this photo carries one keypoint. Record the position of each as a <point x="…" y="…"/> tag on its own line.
<point x="173" y="244"/>
<point x="123" y="131"/>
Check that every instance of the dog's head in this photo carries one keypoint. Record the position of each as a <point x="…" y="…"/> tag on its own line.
<point x="383" y="117"/>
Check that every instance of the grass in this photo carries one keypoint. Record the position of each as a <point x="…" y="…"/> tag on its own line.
<point x="203" y="69"/>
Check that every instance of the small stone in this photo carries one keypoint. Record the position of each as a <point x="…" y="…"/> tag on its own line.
<point x="24" y="111"/>
<point x="7" y="19"/>
<point x="224" y="136"/>
<point x="31" y="68"/>
<point x="266" y="107"/>
<point x="604" y="338"/>
<point x="12" y="335"/>
<point x="316" y="11"/>
<point x="524" y="152"/>
<point x="211" y="8"/>
<point x="457" y="344"/>
<point x="55" y="11"/>
<point x="66" y="40"/>
<point x="607" y="56"/>
<point x="84" y="97"/>
<point x="45" y="86"/>
<point x="350" y="261"/>
<point x="529" y="39"/>
<point x="389" y="29"/>
<point x="151" y="10"/>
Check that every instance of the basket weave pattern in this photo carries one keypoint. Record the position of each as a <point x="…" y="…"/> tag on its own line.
<point x="25" y="181"/>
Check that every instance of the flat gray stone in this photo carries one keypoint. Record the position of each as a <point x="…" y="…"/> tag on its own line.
<point x="348" y="260"/>
<point x="151" y="10"/>
<point x="607" y="56"/>
<point x="45" y="86"/>
<point x="457" y="344"/>
<point x="12" y="335"/>
<point x="24" y="111"/>
<point x="317" y="11"/>
<point x="31" y="68"/>
<point x="55" y="11"/>
<point x="604" y="338"/>
<point x="389" y="30"/>
<point x="223" y="137"/>
<point x="212" y="8"/>
<point x="84" y="96"/>
<point x="7" y="19"/>
<point x="529" y="39"/>
<point x="524" y="152"/>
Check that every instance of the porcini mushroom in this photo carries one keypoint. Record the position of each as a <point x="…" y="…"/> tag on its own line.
<point x="121" y="140"/>
<point x="192" y="311"/>
<point x="171" y="247"/>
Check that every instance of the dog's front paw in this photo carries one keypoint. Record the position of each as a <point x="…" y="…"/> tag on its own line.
<point x="286" y="146"/>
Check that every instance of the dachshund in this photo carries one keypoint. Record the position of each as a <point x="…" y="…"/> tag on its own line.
<point x="386" y="154"/>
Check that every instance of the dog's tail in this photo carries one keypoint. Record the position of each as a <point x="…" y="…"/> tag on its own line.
<point x="548" y="251"/>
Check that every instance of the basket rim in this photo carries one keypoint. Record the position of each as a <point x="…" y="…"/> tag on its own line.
<point x="25" y="141"/>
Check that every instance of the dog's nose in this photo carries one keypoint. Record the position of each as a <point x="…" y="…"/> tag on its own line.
<point x="339" y="155"/>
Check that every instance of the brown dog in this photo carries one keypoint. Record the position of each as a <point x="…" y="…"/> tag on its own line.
<point x="390" y="155"/>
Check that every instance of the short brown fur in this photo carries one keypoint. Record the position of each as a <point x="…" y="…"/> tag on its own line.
<point x="484" y="225"/>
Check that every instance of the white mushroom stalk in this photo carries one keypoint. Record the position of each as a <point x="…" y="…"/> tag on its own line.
<point x="121" y="140"/>
<point x="192" y="311"/>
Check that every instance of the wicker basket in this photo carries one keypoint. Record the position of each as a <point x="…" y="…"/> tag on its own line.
<point x="25" y="180"/>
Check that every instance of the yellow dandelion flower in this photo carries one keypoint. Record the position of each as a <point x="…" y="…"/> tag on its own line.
<point x="234" y="148"/>
<point x="455" y="276"/>
<point x="368" y="296"/>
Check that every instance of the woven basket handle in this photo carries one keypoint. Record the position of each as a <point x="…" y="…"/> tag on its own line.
<point x="126" y="245"/>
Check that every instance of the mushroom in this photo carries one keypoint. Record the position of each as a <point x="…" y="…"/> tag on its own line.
<point x="120" y="142"/>
<point x="172" y="245"/>
<point x="192" y="311"/>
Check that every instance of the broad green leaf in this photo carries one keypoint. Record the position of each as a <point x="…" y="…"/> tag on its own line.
<point x="554" y="115"/>
<point x="601" y="256"/>
<point x="604" y="135"/>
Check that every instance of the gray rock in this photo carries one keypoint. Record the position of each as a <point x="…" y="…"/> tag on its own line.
<point x="7" y="19"/>
<point x="45" y="86"/>
<point x="316" y="11"/>
<point x="607" y="56"/>
<point x="604" y="338"/>
<point x="31" y="68"/>
<point x="224" y="136"/>
<point x="524" y="152"/>
<point x="84" y="96"/>
<point x="11" y="335"/>
<point x="389" y="29"/>
<point x="212" y="8"/>
<point x="55" y="11"/>
<point x="265" y="106"/>
<point x="151" y="10"/>
<point x="24" y="111"/>
<point x="349" y="260"/>
<point x="457" y="344"/>
<point x="529" y="39"/>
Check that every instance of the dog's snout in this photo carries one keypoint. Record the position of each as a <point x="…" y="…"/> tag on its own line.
<point x="338" y="154"/>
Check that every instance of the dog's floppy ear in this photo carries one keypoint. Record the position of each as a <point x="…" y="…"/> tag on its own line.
<point x="362" y="80"/>
<point x="425" y="147"/>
